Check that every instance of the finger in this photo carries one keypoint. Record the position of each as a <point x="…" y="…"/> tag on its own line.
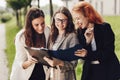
<point x="33" y="59"/>
<point x="78" y="52"/>
<point x="46" y="59"/>
<point x="78" y="55"/>
<point x="81" y="49"/>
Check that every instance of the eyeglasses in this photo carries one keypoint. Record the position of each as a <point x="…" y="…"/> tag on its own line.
<point x="76" y="19"/>
<point x="58" y="20"/>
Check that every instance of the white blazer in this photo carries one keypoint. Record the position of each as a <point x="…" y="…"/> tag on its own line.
<point x="18" y="73"/>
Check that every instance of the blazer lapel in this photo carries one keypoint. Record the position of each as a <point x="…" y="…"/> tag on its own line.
<point x="57" y="47"/>
<point x="98" y="36"/>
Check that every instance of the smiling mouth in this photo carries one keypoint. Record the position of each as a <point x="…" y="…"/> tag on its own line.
<point x="80" y="24"/>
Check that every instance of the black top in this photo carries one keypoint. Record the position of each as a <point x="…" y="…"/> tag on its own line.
<point x="38" y="72"/>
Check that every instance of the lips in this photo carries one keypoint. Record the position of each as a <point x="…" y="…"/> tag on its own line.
<point x="40" y="32"/>
<point x="80" y="25"/>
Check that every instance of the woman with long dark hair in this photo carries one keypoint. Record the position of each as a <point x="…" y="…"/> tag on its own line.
<point x="35" y="34"/>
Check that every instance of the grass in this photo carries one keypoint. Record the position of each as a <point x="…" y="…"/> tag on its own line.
<point x="12" y="29"/>
<point x="115" y="24"/>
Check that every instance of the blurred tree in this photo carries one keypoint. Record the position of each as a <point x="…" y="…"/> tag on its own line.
<point x="51" y="9"/>
<point x="17" y="5"/>
<point x="38" y="3"/>
<point x="27" y="3"/>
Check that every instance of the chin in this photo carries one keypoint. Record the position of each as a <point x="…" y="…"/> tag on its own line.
<point x="83" y="27"/>
<point x="40" y="32"/>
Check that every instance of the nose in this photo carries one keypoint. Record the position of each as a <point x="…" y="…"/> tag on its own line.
<point x="40" y="27"/>
<point x="61" y="22"/>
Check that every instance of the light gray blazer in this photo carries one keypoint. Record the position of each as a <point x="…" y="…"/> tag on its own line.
<point x="66" y="72"/>
<point x="18" y="73"/>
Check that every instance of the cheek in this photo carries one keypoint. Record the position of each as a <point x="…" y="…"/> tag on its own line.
<point x="78" y="23"/>
<point x="85" y="23"/>
<point x="56" y="24"/>
<point x="65" y="25"/>
<point x="35" y="28"/>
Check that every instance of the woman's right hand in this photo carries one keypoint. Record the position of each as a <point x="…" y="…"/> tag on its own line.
<point x="29" y="62"/>
<point x="32" y="60"/>
<point x="54" y="61"/>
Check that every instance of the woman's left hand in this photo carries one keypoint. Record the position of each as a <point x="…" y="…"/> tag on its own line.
<point x="54" y="62"/>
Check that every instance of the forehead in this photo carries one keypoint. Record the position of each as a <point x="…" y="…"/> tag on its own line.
<point x="60" y="15"/>
<point x="77" y="14"/>
<point x="38" y="20"/>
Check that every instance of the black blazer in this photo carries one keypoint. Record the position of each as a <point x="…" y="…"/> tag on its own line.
<point x="109" y="67"/>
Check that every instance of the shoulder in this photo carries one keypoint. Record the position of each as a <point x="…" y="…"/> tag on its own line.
<point x="47" y="28"/>
<point x="107" y="27"/>
<point x="20" y="33"/>
<point x="47" y="31"/>
<point x="72" y="35"/>
<point x="20" y="36"/>
<point x="104" y="26"/>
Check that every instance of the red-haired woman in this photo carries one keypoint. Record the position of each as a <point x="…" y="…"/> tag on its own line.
<point x="98" y="39"/>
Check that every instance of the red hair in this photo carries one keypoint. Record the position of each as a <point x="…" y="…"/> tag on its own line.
<point x="88" y="11"/>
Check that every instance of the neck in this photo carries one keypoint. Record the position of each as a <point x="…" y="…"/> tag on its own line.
<point x="61" y="32"/>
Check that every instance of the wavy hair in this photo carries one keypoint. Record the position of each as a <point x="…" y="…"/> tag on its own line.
<point x="88" y="11"/>
<point x="30" y="34"/>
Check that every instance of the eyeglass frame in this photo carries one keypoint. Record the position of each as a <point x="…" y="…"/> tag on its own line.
<point x="58" y="20"/>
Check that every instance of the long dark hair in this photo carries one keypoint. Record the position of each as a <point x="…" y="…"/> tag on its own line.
<point x="70" y="26"/>
<point x="32" y="38"/>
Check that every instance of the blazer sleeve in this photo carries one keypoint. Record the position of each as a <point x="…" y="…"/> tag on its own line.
<point x="63" y="53"/>
<point x="20" y="55"/>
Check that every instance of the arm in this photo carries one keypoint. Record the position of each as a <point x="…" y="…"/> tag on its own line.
<point x="72" y="44"/>
<point x="21" y="57"/>
<point x="63" y="53"/>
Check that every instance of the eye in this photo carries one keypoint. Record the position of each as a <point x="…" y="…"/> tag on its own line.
<point x="77" y="18"/>
<point x="61" y="20"/>
<point x="57" y="19"/>
<point x="43" y="24"/>
<point x="36" y="25"/>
